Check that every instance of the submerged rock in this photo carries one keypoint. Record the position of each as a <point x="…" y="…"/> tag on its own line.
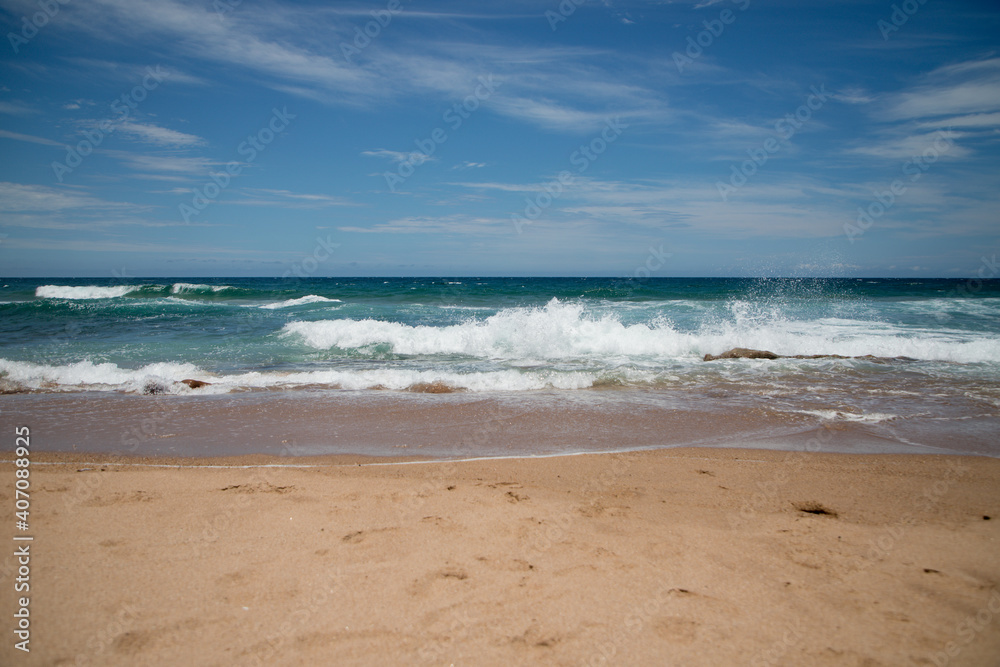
<point x="11" y="387"/>
<point x="436" y="387"/>
<point x="154" y="388"/>
<point x="742" y="353"/>
<point x="747" y="353"/>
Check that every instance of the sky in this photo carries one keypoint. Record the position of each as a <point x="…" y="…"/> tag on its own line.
<point x="528" y="137"/>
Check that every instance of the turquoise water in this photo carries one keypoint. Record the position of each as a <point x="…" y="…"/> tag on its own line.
<point x="479" y="334"/>
<point x="334" y="364"/>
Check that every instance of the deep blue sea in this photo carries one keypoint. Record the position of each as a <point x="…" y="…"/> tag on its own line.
<point x="570" y="337"/>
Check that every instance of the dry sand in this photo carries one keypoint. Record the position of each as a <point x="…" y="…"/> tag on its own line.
<point x="671" y="557"/>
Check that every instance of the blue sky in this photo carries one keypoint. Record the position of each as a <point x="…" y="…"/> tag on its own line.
<point x="529" y="137"/>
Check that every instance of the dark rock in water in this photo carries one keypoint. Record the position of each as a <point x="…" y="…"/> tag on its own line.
<point x="11" y="387"/>
<point x="817" y="356"/>
<point x="747" y="353"/>
<point x="742" y="353"/>
<point x="154" y="388"/>
<point x="883" y="360"/>
<point x="194" y="384"/>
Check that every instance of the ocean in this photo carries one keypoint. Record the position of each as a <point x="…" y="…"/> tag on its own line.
<point x="418" y="366"/>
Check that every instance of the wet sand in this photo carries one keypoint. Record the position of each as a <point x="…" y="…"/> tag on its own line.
<point x="678" y="556"/>
<point x="470" y="424"/>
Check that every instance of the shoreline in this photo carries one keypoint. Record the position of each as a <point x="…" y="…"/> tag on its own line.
<point x="468" y="425"/>
<point x="253" y="461"/>
<point x="684" y="555"/>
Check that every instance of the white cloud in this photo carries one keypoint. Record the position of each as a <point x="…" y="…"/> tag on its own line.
<point x="964" y="95"/>
<point x="185" y="166"/>
<point x="503" y="187"/>
<point x="912" y="145"/>
<point x="161" y="136"/>
<point x="416" y="158"/>
<point x="65" y="208"/>
<point x="286" y="199"/>
<point x="296" y="50"/>
<point x="21" y="197"/>
<point x="238" y="39"/>
<point x="129" y="74"/>
<point x="453" y="224"/>
<point x="971" y="121"/>
<point x="135" y="246"/>
<point x="551" y="114"/>
<point x="16" y="109"/>
<point x="973" y="97"/>
<point x="17" y="136"/>
<point x="963" y="88"/>
<point x="853" y="96"/>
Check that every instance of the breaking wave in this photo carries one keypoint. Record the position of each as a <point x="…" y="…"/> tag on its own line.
<point x="79" y="292"/>
<point x="561" y="331"/>
<point x="301" y="301"/>
<point x="84" y="291"/>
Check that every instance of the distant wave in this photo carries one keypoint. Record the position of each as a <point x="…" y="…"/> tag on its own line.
<point x="301" y="301"/>
<point x="182" y="288"/>
<point x="84" y="291"/>
<point x="74" y="292"/>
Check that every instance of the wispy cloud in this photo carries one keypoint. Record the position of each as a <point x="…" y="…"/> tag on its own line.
<point x="16" y="109"/>
<point x="161" y="136"/>
<point x="274" y="44"/>
<point x="17" y="136"/>
<point x="169" y="164"/>
<point x="287" y="199"/>
<point x="453" y="224"/>
<point x="963" y="88"/>
<point x="971" y="121"/>
<point x="64" y="208"/>
<point x="906" y="146"/>
<point x="503" y="187"/>
<point x="415" y="158"/>
<point x="135" y="247"/>
<point x="20" y="197"/>
<point x="125" y="73"/>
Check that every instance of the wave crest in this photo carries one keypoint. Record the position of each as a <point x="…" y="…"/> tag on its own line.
<point x="183" y="288"/>
<point x="557" y="331"/>
<point x="301" y="301"/>
<point x="79" y="292"/>
<point x="84" y="291"/>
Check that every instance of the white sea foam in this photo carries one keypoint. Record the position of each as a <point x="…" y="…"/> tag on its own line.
<point x="836" y="415"/>
<point x="88" y="375"/>
<point x="557" y="331"/>
<point x="565" y="331"/>
<point x="84" y="291"/>
<point x="401" y="379"/>
<point x="165" y="377"/>
<point x="301" y="301"/>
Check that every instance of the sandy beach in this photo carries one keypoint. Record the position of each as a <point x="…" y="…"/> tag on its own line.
<point x="677" y="556"/>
